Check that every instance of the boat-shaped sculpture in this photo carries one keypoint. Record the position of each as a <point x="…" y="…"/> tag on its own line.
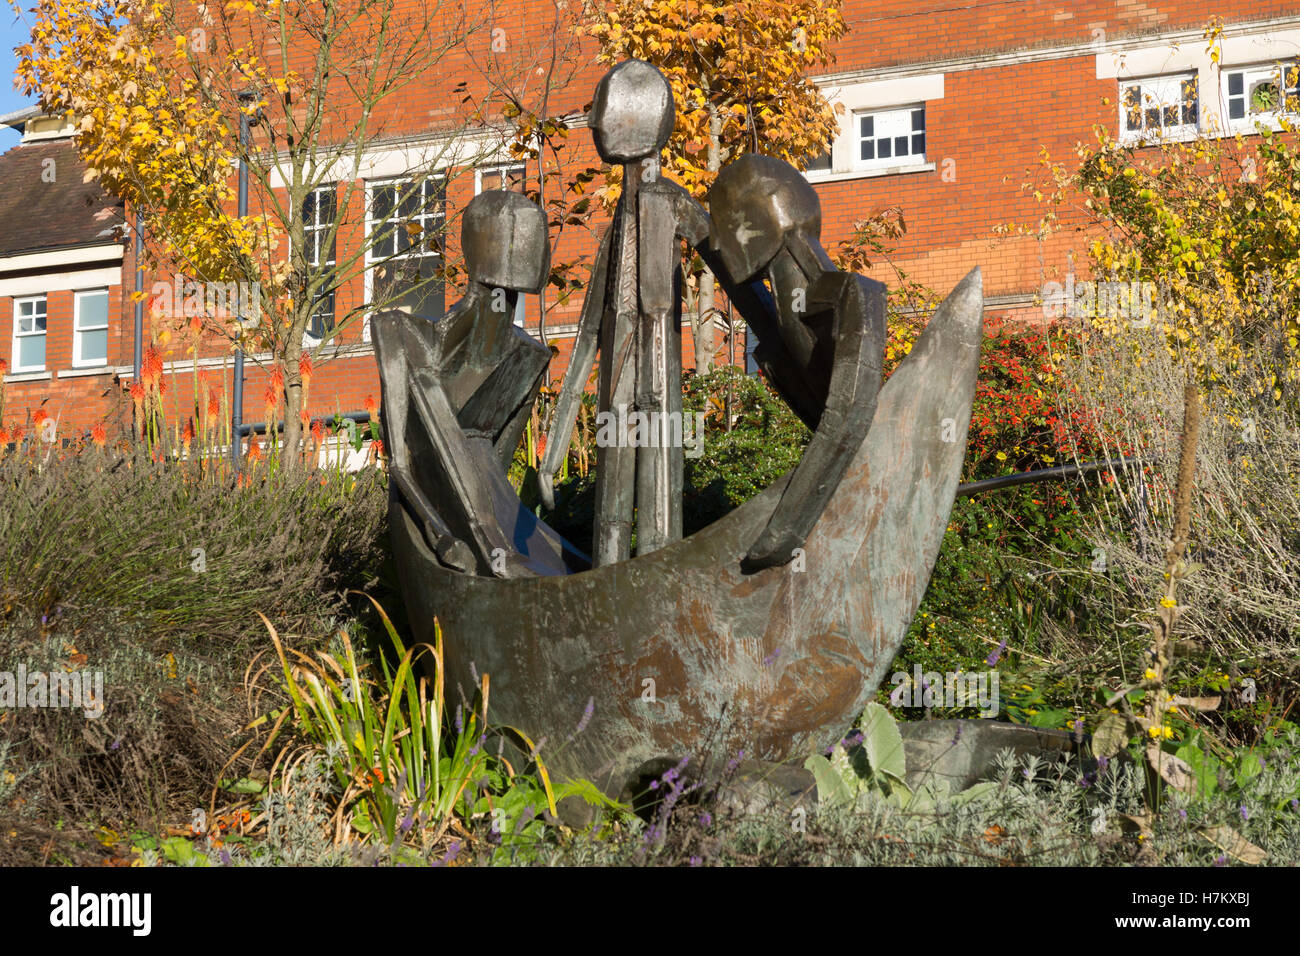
<point x="725" y="642"/>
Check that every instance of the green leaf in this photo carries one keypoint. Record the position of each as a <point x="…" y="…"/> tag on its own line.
<point x="831" y="788"/>
<point x="1109" y="738"/>
<point x="247" y="785"/>
<point x="1049" y="718"/>
<point x="882" y="742"/>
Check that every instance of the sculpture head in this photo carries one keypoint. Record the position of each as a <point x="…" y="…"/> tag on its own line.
<point x="503" y="237"/>
<point x="756" y="204"/>
<point x="632" y="112"/>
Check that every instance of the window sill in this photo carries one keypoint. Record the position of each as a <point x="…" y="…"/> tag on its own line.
<point x="86" y="371"/>
<point x="843" y="176"/>
<point x="27" y="377"/>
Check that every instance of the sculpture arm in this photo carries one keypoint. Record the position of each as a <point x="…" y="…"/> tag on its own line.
<point x="859" y="337"/>
<point x="581" y="360"/>
<point x="398" y="341"/>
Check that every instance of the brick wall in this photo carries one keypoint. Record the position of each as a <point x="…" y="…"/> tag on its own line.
<point x="1019" y="76"/>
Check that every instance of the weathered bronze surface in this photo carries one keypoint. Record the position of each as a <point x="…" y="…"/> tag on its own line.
<point x="727" y="641"/>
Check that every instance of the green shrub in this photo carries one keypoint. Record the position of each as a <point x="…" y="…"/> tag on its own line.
<point x="95" y="534"/>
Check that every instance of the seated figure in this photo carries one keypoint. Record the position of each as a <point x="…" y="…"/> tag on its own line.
<point x="821" y="332"/>
<point x="457" y="393"/>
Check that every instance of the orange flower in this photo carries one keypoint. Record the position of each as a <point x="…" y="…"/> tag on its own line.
<point x="214" y="407"/>
<point x="187" y="434"/>
<point x="4" y="435"/>
<point x="39" y="416"/>
<point x="377" y="775"/>
<point x="277" y="378"/>
<point x="151" y="366"/>
<point x="371" y="405"/>
<point x="318" y="431"/>
<point x="379" y="449"/>
<point x="98" y="435"/>
<point x="4" y="367"/>
<point x="243" y="481"/>
<point x="137" y="393"/>
<point x="255" y="450"/>
<point x="305" y="369"/>
<point x="304" y="417"/>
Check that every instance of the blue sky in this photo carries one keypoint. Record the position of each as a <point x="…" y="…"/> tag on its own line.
<point x="14" y="30"/>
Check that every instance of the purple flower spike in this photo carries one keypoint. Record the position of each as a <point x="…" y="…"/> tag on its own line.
<point x="992" y="659"/>
<point x="586" y="715"/>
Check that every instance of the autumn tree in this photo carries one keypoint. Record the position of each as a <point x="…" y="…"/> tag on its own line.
<point x="159" y="89"/>
<point x="737" y="72"/>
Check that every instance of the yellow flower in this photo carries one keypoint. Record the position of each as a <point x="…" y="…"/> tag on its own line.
<point x="1168" y="732"/>
<point x="1154" y="732"/>
<point x="1150" y="674"/>
<point x="1167" y="602"/>
<point x="1001" y="456"/>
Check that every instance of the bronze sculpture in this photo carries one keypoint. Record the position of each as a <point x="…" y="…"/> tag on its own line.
<point x="719" y="642"/>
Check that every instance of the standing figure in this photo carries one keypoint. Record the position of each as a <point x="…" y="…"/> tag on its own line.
<point x="458" y="390"/>
<point x="632" y="315"/>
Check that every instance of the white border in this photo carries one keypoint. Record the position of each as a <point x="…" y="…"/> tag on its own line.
<point x="77" y="330"/>
<point x="13" y="355"/>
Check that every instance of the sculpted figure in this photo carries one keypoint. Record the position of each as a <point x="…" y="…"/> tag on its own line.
<point x="632" y="315"/>
<point x="458" y="389"/>
<point x="821" y="332"/>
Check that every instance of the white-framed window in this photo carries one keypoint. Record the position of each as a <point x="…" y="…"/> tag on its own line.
<point x="1159" y="106"/>
<point x="512" y="177"/>
<point x="892" y="137"/>
<point x="90" y="328"/>
<point x="319" y="212"/>
<point x="29" y="334"/>
<point x="1261" y="93"/>
<point x="405" y="220"/>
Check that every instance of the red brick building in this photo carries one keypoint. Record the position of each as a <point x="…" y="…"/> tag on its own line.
<point x="946" y="111"/>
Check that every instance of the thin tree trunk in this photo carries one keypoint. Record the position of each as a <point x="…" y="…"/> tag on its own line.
<point x="705" y="342"/>
<point x="290" y="454"/>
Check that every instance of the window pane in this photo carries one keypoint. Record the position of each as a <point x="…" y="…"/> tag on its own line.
<point x="820" y="162"/>
<point x="26" y="308"/>
<point x="868" y="126"/>
<point x="918" y="144"/>
<point x="918" y="120"/>
<point x="92" y="310"/>
<point x="900" y="145"/>
<point x="1237" y="107"/>
<point x="31" y="351"/>
<point x="407" y="282"/>
<point x="1171" y="115"/>
<point x="94" y="346"/>
<point x="885" y="149"/>
<point x="1236" y="84"/>
<point x="868" y="149"/>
